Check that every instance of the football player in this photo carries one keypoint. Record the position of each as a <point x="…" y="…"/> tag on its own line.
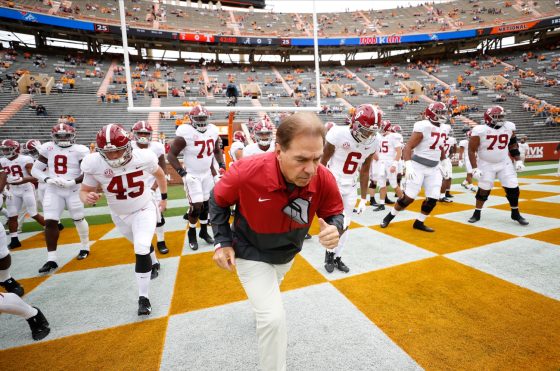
<point x="125" y="176"/>
<point x="199" y="143"/>
<point x="62" y="156"/>
<point x="390" y="152"/>
<point x="21" y="191"/>
<point x="445" y="165"/>
<point x="490" y="148"/>
<point x="237" y="147"/>
<point x="523" y="148"/>
<point x="464" y="161"/>
<point x="12" y="304"/>
<point x="142" y="134"/>
<point x="349" y="151"/>
<point x="421" y="168"/>
<point x="264" y="135"/>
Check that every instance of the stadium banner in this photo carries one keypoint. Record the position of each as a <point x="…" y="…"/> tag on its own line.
<point x="22" y="15"/>
<point x="519" y="27"/>
<point x="542" y="151"/>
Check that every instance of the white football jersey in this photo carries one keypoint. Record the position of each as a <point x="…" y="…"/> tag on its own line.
<point x="433" y="139"/>
<point x="388" y="146"/>
<point x="198" y="154"/>
<point x="235" y="146"/>
<point x="464" y="143"/>
<point x="254" y="149"/>
<point x="15" y="169"/>
<point x="524" y="149"/>
<point x="449" y="143"/>
<point x="494" y="142"/>
<point x="126" y="187"/>
<point x="348" y="155"/>
<point x="157" y="148"/>
<point x="63" y="162"/>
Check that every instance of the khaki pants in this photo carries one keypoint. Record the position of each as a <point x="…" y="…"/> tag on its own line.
<point x="261" y="282"/>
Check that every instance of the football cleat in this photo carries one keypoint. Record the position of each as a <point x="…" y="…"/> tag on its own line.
<point x="379" y="208"/>
<point x="13" y="286"/>
<point x="155" y="271"/>
<point x="445" y="199"/>
<point x="191" y="237"/>
<point x="449" y="195"/>
<point x="518" y="218"/>
<point x="82" y="254"/>
<point x="389" y="202"/>
<point x="206" y="237"/>
<point x="421" y="226"/>
<point x="340" y="265"/>
<point x="387" y="220"/>
<point x="329" y="261"/>
<point x="48" y="266"/>
<point x="144" y="306"/>
<point x="475" y="217"/>
<point x="162" y="248"/>
<point x="39" y="325"/>
<point x="14" y="243"/>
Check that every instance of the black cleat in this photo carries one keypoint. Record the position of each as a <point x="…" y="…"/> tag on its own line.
<point x="13" y="286"/>
<point x="475" y="217"/>
<point x="60" y="226"/>
<point x="191" y="237"/>
<point x="518" y="218"/>
<point x="48" y="266"/>
<point x="155" y="271"/>
<point x="14" y="243"/>
<point x="372" y="201"/>
<point x="445" y="199"/>
<point x="421" y="226"/>
<point x="82" y="254"/>
<point x="162" y="248"/>
<point x="206" y="237"/>
<point x="39" y="325"/>
<point x="144" y="306"/>
<point x="449" y="195"/>
<point x="379" y="208"/>
<point x="389" y="202"/>
<point x="329" y="261"/>
<point x="340" y="265"/>
<point x="308" y="236"/>
<point x="387" y="220"/>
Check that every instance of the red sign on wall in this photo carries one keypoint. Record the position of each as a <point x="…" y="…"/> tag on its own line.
<point x="542" y="151"/>
<point x="203" y="38"/>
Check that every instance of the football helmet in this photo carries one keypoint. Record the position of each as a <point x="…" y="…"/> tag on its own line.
<point x="31" y="148"/>
<point x="329" y="125"/>
<point x="63" y="135"/>
<point x="385" y="126"/>
<point x="238" y="136"/>
<point x="9" y="148"/>
<point x="494" y="116"/>
<point x="395" y="129"/>
<point x="263" y="132"/>
<point x="142" y="132"/>
<point x="365" y="123"/>
<point x="437" y="113"/>
<point x="113" y="138"/>
<point x="199" y="118"/>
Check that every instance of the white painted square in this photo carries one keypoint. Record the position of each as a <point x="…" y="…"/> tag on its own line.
<point x="26" y="263"/>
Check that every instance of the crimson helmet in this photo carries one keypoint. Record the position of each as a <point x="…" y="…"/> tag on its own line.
<point x="385" y="126"/>
<point x="396" y="128"/>
<point x="365" y="122"/>
<point x="238" y="136"/>
<point x="263" y="132"/>
<point x="112" y="138"/>
<point x="9" y="148"/>
<point x="142" y="132"/>
<point x="469" y="134"/>
<point x="63" y="135"/>
<point x="494" y="116"/>
<point x="329" y="125"/>
<point x="436" y="113"/>
<point x="199" y="118"/>
<point x="31" y="148"/>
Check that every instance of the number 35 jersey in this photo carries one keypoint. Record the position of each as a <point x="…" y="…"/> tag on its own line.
<point x="348" y="155"/>
<point x="494" y="142"/>
<point x="198" y="154"/>
<point x="126" y="187"/>
<point x="63" y="162"/>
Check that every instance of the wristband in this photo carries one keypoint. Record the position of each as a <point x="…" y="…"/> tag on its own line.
<point x="46" y="178"/>
<point x="182" y="172"/>
<point x="217" y="246"/>
<point x="164" y="196"/>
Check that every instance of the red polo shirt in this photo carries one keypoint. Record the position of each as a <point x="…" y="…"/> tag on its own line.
<point x="262" y="230"/>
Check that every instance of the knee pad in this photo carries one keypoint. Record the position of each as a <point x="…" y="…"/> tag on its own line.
<point x="512" y="192"/>
<point x="404" y="201"/>
<point x="143" y="263"/>
<point x="428" y="205"/>
<point x="161" y="222"/>
<point x="482" y="195"/>
<point x="49" y="223"/>
<point x="195" y="210"/>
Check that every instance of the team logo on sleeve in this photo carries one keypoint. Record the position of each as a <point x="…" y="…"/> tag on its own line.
<point x="346" y="145"/>
<point x="109" y="173"/>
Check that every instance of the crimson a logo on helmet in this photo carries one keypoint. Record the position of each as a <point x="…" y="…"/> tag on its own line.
<point x="346" y="145"/>
<point x="109" y="173"/>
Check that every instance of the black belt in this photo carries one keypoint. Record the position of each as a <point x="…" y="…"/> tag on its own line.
<point x="425" y="161"/>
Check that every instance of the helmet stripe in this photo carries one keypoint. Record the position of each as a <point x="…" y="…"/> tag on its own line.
<point x="108" y="134"/>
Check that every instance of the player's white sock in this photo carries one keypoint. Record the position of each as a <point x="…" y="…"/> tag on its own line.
<point x="341" y="243"/>
<point x="160" y="234"/>
<point x="191" y="225"/>
<point x="13" y="235"/>
<point x="422" y="217"/>
<point x="51" y="256"/>
<point x="441" y="195"/>
<point x="82" y="227"/>
<point x="394" y="211"/>
<point x="143" y="280"/>
<point x="4" y="275"/>
<point x="12" y="304"/>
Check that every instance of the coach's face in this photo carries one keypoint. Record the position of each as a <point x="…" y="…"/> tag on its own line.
<point x="300" y="161"/>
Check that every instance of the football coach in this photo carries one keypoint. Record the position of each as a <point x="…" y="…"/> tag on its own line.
<point x="276" y="194"/>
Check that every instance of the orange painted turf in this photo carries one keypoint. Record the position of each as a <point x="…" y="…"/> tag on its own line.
<point x="547" y="209"/>
<point x="67" y="236"/>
